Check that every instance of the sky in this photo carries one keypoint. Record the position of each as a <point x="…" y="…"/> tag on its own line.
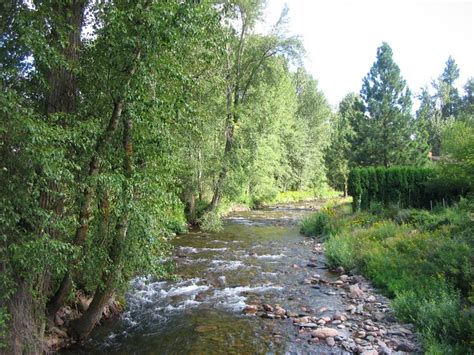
<point x="341" y="38"/>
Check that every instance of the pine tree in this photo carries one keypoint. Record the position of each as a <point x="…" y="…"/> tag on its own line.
<point x="389" y="137"/>
<point x="448" y="95"/>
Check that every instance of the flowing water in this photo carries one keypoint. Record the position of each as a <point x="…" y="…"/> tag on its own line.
<point x="259" y="257"/>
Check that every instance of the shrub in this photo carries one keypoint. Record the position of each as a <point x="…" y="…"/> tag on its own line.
<point x="339" y="252"/>
<point x="437" y="313"/>
<point x="211" y="221"/>
<point x="317" y="225"/>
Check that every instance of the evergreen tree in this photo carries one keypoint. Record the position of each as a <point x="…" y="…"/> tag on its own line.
<point x="389" y="136"/>
<point x="447" y="94"/>
<point x="467" y="109"/>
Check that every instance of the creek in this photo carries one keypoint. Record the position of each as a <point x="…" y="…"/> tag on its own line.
<point x="258" y="258"/>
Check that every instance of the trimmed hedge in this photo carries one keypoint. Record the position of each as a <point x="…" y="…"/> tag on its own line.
<point x="402" y="186"/>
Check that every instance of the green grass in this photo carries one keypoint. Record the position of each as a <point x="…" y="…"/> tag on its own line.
<point x="422" y="259"/>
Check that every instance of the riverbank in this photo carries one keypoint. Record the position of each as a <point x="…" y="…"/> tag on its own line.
<point x="57" y="334"/>
<point x="365" y="324"/>
<point x="421" y="259"/>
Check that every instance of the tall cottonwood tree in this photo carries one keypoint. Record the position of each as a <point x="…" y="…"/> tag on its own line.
<point x="345" y="146"/>
<point x="441" y="106"/>
<point x="246" y="54"/>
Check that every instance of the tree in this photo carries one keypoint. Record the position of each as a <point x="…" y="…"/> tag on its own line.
<point x="447" y="94"/>
<point x="246" y="55"/>
<point x="387" y="128"/>
<point x="313" y="117"/>
<point x="467" y="109"/>
<point x="343" y="149"/>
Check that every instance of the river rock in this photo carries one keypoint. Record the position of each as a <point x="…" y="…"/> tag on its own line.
<point x="323" y="333"/>
<point x="301" y="320"/>
<point x="355" y="291"/>
<point x="361" y="334"/>
<point x="330" y="341"/>
<point x="384" y="349"/>
<point x="267" y="308"/>
<point x="406" y="347"/>
<point x="351" y="308"/>
<point x="269" y="315"/>
<point x="59" y="332"/>
<point x="308" y="325"/>
<point x="250" y="309"/>
<point x="340" y="270"/>
<point x="58" y="320"/>
<point x="371" y="299"/>
<point x="344" y="278"/>
<point x="337" y="315"/>
<point x="279" y="311"/>
<point x="369" y="352"/>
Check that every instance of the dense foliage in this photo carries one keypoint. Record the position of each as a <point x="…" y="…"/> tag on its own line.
<point x="403" y="187"/>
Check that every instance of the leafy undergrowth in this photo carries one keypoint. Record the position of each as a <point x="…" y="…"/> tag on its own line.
<point x="423" y="260"/>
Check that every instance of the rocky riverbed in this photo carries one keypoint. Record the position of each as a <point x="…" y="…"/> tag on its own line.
<point x="365" y="326"/>
<point x="256" y="287"/>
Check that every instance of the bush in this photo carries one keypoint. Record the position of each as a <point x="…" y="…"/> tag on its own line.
<point x="339" y="252"/>
<point x="211" y="221"/>
<point x="178" y="227"/>
<point x="318" y="225"/>
<point x="437" y="313"/>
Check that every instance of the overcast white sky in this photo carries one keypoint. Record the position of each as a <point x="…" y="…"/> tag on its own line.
<point x="342" y="36"/>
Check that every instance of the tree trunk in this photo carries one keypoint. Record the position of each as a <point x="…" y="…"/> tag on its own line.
<point x="192" y="207"/>
<point x="85" y="211"/>
<point x="88" y="194"/>
<point x="216" y="198"/>
<point x="229" y="142"/>
<point x="84" y="325"/>
<point x="345" y="186"/>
